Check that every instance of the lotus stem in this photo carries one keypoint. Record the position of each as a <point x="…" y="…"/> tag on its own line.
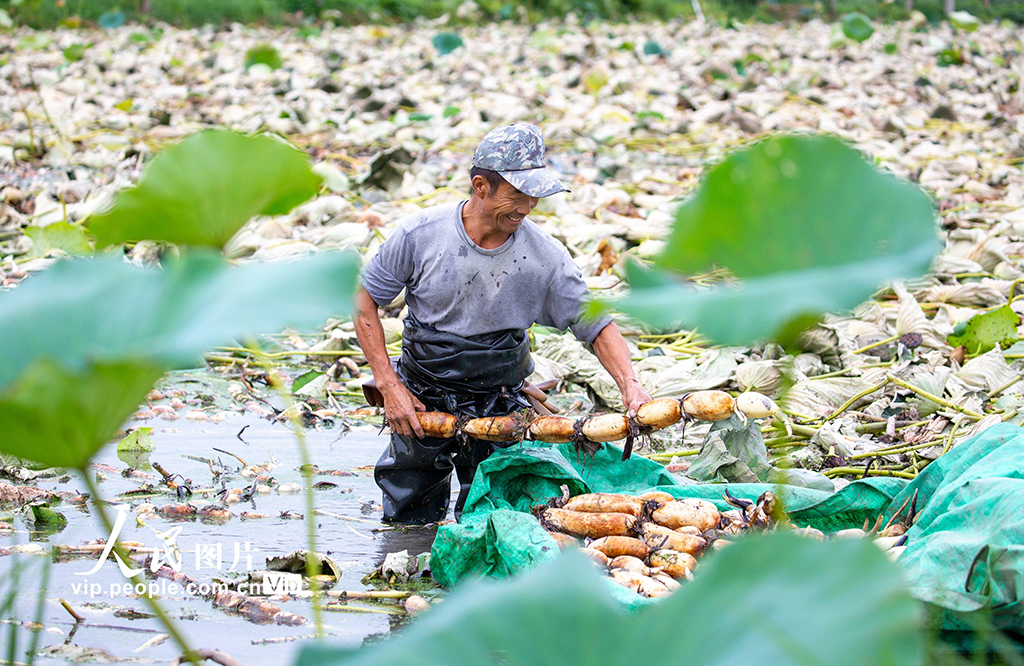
<point x="285" y="354"/>
<point x="878" y="453"/>
<point x="936" y="399"/>
<point x="668" y="456"/>
<point x="784" y="441"/>
<point x="370" y="594"/>
<point x="881" y="426"/>
<point x="873" y="345"/>
<point x="33" y="642"/>
<point x="340" y="606"/>
<point x="797" y="429"/>
<point x="307" y="475"/>
<point x="1013" y="287"/>
<point x="846" y="371"/>
<point x="1004" y="387"/>
<point x="71" y="611"/>
<point x="172" y="629"/>
<point x="952" y="434"/>
<point x="849" y="403"/>
<point x="853" y="471"/>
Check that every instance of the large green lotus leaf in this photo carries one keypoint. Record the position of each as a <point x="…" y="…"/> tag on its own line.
<point x="762" y="307"/>
<point x="983" y="332"/>
<point x="778" y="600"/>
<point x="808" y="226"/>
<point x="104" y="310"/>
<point x="59" y="418"/>
<point x="202" y="190"/>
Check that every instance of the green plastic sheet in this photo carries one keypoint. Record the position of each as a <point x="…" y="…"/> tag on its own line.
<point x="964" y="553"/>
<point x="497" y="537"/>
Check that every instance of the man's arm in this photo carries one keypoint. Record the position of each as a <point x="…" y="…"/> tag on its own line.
<point x="400" y="405"/>
<point x="611" y="350"/>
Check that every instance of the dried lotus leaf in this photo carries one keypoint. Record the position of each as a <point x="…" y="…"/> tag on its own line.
<point x="761" y="376"/>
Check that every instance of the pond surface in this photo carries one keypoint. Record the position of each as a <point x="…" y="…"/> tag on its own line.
<point x="353" y="544"/>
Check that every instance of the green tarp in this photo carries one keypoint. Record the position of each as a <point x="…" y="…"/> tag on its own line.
<point x="965" y="552"/>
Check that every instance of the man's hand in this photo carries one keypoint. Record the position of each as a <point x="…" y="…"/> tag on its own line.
<point x="611" y="350"/>
<point x="400" y="407"/>
<point x="633" y="395"/>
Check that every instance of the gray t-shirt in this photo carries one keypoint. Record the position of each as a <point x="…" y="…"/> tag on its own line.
<point x="454" y="285"/>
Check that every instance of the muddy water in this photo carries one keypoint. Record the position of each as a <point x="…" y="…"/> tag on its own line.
<point x="354" y="544"/>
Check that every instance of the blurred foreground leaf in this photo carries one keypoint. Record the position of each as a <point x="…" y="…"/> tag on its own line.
<point x="778" y="599"/>
<point x="85" y="340"/>
<point x="105" y="310"/>
<point x="983" y="332"/>
<point x="60" y="418"/>
<point x="202" y="190"/>
<point x="857" y="26"/>
<point x="807" y="225"/>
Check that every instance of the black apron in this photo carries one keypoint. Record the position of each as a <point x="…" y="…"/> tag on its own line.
<point x="469" y="377"/>
<point x="474" y="376"/>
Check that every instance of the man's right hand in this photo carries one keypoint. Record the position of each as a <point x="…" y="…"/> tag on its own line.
<point x="400" y="407"/>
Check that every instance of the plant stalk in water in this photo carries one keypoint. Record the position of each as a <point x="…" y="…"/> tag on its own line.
<point x="153" y="604"/>
<point x="274" y="380"/>
<point x="40" y="609"/>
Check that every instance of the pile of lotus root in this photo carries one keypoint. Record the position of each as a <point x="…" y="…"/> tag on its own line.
<point x="650" y="542"/>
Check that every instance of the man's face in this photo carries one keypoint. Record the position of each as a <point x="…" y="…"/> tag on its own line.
<point x="506" y="207"/>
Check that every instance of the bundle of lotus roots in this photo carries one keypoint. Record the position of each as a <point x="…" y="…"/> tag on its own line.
<point x="650" y="542"/>
<point x="589" y="432"/>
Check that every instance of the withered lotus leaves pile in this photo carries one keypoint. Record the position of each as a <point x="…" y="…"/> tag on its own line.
<point x="390" y="125"/>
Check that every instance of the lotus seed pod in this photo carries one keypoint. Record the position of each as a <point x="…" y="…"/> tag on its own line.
<point x="910" y="340"/>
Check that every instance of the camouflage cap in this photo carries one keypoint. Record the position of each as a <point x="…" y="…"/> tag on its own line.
<point x="516" y="152"/>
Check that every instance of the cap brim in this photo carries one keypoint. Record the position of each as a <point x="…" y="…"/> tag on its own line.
<point x="538" y="183"/>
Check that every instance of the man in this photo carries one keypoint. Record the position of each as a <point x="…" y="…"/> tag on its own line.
<point x="477" y="275"/>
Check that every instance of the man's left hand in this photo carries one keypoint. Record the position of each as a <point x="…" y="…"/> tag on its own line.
<point x="633" y="396"/>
